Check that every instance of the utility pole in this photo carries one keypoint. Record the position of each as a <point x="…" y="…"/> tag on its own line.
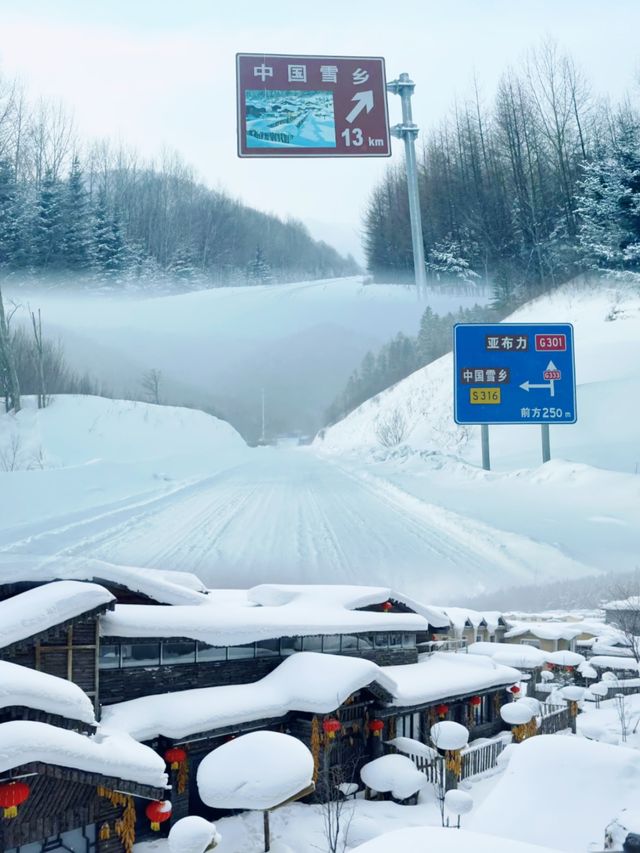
<point x="404" y="86"/>
<point x="262" y="436"/>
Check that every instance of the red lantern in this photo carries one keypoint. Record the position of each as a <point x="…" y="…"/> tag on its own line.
<point x="476" y="701"/>
<point x="514" y="690"/>
<point x="387" y="606"/>
<point x="158" y="811"/>
<point x="331" y="726"/>
<point x="570" y="668"/>
<point x="442" y="710"/>
<point x="12" y="795"/>
<point x="376" y="727"/>
<point x="175" y="757"/>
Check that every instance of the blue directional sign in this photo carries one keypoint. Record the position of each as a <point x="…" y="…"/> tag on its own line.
<point x="514" y="373"/>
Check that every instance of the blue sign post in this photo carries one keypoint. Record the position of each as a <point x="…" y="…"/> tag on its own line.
<point x="514" y="373"/>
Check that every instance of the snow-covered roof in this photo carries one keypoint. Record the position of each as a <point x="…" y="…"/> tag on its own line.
<point x="161" y="586"/>
<point x="510" y="654"/>
<point x="444" y="675"/>
<point x="547" y="630"/>
<point x="630" y="603"/>
<point x="263" y="613"/>
<point x="307" y="681"/>
<point x="44" y="607"/>
<point x="461" y="617"/>
<point x="22" y="742"/>
<point x="22" y="687"/>
<point x="612" y="662"/>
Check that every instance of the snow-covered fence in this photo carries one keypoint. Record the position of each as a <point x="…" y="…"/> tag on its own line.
<point x="480" y="758"/>
<point x="555" y="718"/>
<point x="433" y="768"/>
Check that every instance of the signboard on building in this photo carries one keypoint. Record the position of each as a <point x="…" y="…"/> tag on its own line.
<point x="514" y="373"/>
<point x="311" y="106"/>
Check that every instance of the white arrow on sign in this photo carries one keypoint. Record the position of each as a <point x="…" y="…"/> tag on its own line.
<point x="364" y="100"/>
<point x="527" y="386"/>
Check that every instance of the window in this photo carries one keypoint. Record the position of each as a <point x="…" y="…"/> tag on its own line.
<point x="312" y="644"/>
<point x="382" y="641"/>
<point x="290" y="645"/>
<point x="349" y="643"/>
<point x="268" y="648"/>
<point x="409" y="641"/>
<point x="365" y="642"/>
<point x="140" y="654"/>
<point x="331" y="643"/>
<point x="248" y="650"/>
<point x="109" y="657"/>
<point x="211" y="653"/>
<point x="534" y="643"/>
<point x="395" y="641"/>
<point x="179" y="651"/>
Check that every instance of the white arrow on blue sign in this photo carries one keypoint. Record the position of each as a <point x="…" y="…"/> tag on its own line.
<point x="514" y="373"/>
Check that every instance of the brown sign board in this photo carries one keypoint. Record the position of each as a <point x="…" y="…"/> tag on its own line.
<point x="311" y="106"/>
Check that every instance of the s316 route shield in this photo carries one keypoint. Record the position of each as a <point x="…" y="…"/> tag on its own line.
<point x="311" y="106"/>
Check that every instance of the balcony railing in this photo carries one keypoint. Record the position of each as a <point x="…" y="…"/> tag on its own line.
<point x="442" y="646"/>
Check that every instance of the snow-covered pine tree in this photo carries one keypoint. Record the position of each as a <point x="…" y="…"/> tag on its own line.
<point x="8" y="215"/>
<point x="258" y="270"/>
<point x="48" y="229"/>
<point x="76" y="239"/>
<point x="109" y="246"/>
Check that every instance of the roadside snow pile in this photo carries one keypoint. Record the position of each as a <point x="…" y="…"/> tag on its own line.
<point x="561" y="791"/>
<point x="420" y="839"/>
<point x="395" y="774"/>
<point x="259" y="770"/>
<point x="607" y="359"/>
<point x="28" y="688"/>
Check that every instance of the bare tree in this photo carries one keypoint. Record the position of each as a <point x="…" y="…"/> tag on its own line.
<point x="39" y="357"/>
<point x="625" y="608"/>
<point x="151" y="380"/>
<point x="337" y="810"/>
<point x="8" y="374"/>
<point x="11" y="455"/>
<point x="391" y="429"/>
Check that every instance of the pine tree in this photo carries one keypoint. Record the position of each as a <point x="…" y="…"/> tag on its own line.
<point x="48" y="226"/>
<point x="109" y="247"/>
<point x="258" y="270"/>
<point x="76" y="240"/>
<point x="8" y="211"/>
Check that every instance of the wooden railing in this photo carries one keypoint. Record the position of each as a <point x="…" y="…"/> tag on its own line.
<point x="479" y="759"/>
<point x="433" y="768"/>
<point x="555" y="718"/>
<point x="442" y="646"/>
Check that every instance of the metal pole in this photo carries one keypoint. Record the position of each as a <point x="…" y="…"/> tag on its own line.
<point x="484" y="436"/>
<point x="546" y="444"/>
<point x="408" y="131"/>
<point x="262" y="438"/>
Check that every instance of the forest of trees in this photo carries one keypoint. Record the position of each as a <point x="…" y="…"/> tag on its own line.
<point x="521" y="195"/>
<point x="102" y="213"/>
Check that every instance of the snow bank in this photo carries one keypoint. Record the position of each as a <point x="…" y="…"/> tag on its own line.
<point x="20" y="686"/>
<point x="192" y="834"/>
<point x="542" y="795"/>
<point x="306" y="681"/>
<point x="395" y="774"/>
<point x="259" y="770"/>
<point x="44" y="607"/>
<point x="22" y="742"/>
<point x="420" y="839"/>
<point x="444" y="675"/>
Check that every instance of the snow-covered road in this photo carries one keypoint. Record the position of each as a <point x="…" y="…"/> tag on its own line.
<point x="288" y="515"/>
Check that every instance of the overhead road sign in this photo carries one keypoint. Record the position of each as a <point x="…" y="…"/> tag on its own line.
<point x="311" y="106"/>
<point x="514" y="373"/>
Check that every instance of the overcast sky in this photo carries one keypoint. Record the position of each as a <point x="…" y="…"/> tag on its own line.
<point x="162" y="72"/>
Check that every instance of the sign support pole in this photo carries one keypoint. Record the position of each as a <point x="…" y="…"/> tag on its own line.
<point x="484" y="436"/>
<point x="408" y="131"/>
<point x="546" y="444"/>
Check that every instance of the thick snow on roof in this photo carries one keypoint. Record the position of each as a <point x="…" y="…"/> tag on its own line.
<point x="612" y="662"/>
<point x="259" y="770"/>
<point x="630" y="603"/>
<point x="40" y="609"/>
<point x="306" y="681"/>
<point x="461" y="616"/>
<point x="510" y="654"/>
<point x="555" y="777"/>
<point x="546" y="630"/>
<point x="161" y="586"/>
<point x="20" y="686"/>
<point x="22" y="742"/>
<point x="263" y="613"/>
<point x="419" y="839"/>
<point x="445" y="675"/>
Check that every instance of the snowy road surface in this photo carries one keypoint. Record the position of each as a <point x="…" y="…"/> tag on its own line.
<point x="288" y="515"/>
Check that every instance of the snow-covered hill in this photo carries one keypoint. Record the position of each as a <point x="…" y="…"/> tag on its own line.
<point x="607" y="342"/>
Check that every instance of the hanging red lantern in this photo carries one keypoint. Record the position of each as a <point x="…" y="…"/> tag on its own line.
<point x="514" y="690"/>
<point x="158" y="811"/>
<point x="476" y="701"/>
<point x="442" y="710"/>
<point x="330" y="726"/>
<point x="570" y="668"/>
<point x="175" y="757"/>
<point x="387" y="606"/>
<point x="12" y="795"/>
<point x="376" y="727"/>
